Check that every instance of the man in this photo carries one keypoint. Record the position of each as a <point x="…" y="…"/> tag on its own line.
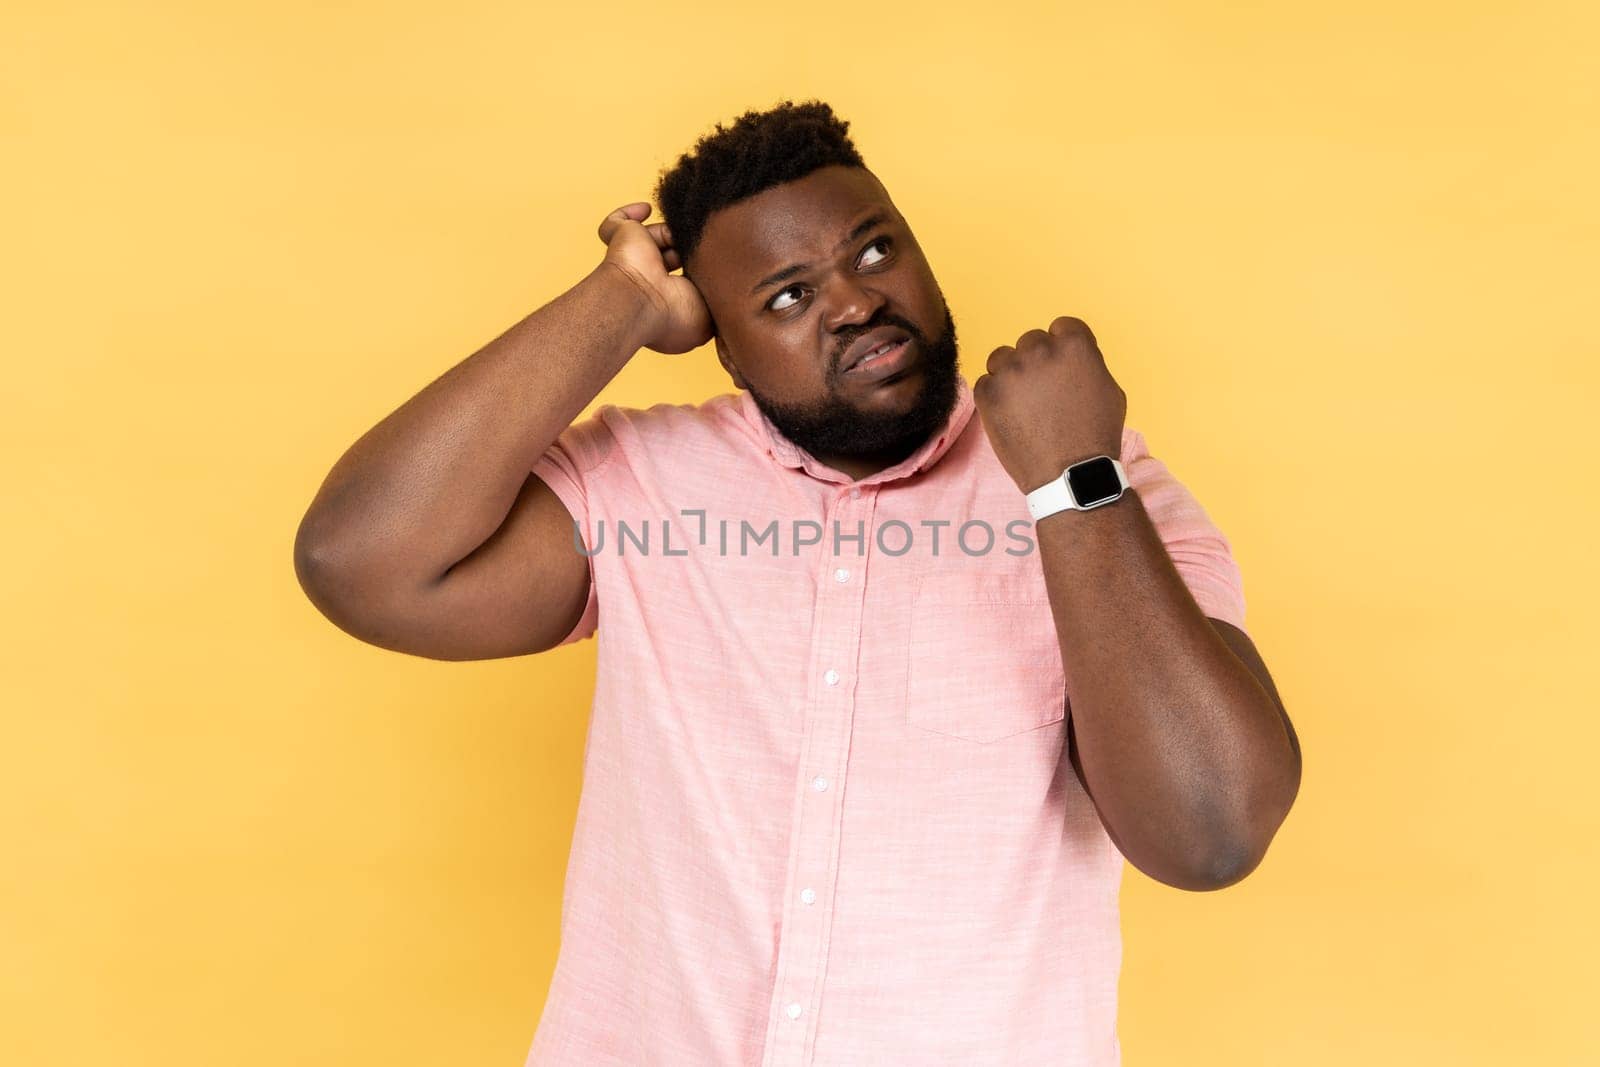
<point x="886" y="692"/>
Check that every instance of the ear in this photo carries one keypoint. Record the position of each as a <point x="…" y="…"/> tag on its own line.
<point x="727" y="364"/>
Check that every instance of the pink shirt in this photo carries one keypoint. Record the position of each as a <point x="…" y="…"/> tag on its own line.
<point x="827" y="814"/>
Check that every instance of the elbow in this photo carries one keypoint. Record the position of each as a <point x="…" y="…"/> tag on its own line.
<point x="322" y="570"/>
<point x="1236" y="846"/>
<point x="1197" y="870"/>
<point x="1224" y="866"/>
<point x="305" y="557"/>
<point x="1229" y="858"/>
<point x="310" y="560"/>
<point x="1206" y="871"/>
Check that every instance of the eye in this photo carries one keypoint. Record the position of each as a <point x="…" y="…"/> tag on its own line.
<point x="881" y="241"/>
<point x="773" y="303"/>
<point x="885" y="241"/>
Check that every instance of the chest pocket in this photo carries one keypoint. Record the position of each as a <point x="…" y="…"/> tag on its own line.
<point x="983" y="661"/>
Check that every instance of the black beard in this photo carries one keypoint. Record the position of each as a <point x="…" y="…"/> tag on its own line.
<point x="832" y="427"/>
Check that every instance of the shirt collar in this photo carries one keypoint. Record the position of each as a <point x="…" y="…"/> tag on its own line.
<point x="788" y="454"/>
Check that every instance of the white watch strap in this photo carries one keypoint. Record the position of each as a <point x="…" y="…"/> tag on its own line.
<point x="1051" y="497"/>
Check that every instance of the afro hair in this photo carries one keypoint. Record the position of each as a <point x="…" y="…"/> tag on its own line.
<point x="761" y="149"/>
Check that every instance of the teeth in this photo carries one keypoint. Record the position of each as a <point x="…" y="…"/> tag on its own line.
<point x="880" y="350"/>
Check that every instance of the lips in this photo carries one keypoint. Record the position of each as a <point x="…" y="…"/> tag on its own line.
<point x="869" y="343"/>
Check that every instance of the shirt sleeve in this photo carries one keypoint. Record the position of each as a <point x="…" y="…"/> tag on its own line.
<point x="1199" y="551"/>
<point x="569" y="467"/>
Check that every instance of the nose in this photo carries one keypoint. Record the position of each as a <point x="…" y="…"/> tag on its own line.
<point x="851" y="303"/>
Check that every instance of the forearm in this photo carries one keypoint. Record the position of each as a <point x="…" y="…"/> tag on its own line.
<point x="433" y="481"/>
<point x="1183" y="751"/>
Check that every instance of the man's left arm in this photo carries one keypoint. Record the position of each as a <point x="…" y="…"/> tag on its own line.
<point x="1184" y="749"/>
<point x="1176" y="728"/>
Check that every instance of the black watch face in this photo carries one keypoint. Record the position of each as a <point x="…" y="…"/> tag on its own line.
<point x="1093" y="481"/>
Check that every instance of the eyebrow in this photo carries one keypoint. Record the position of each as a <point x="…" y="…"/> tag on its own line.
<point x="877" y="218"/>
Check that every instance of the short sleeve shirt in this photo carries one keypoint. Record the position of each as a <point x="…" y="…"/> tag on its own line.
<point x="827" y="815"/>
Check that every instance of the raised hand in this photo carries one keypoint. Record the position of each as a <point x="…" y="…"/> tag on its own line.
<point x="1049" y="401"/>
<point x="646" y="256"/>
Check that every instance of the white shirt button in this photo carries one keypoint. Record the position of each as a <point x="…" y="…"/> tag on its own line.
<point x="855" y="494"/>
<point x="793" y="1010"/>
<point x="841" y="575"/>
<point x="832" y="677"/>
<point x="808" y="895"/>
<point x="819" y="783"/>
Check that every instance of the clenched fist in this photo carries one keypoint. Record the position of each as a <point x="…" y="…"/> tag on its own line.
<point x="1049" y="401"/>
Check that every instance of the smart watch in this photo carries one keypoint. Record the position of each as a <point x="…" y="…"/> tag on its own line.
<point x="1090" y="483"/>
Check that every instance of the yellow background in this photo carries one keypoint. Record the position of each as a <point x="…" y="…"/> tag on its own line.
<point x="1342" y="259"/>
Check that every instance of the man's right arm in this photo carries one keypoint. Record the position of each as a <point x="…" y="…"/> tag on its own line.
<point x="430" y="536"/>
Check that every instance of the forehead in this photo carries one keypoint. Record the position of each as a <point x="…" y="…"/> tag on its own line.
<point x="796" y="222"/>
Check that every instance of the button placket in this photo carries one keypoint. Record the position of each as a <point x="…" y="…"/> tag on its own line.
<point x="835" y="642"/>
